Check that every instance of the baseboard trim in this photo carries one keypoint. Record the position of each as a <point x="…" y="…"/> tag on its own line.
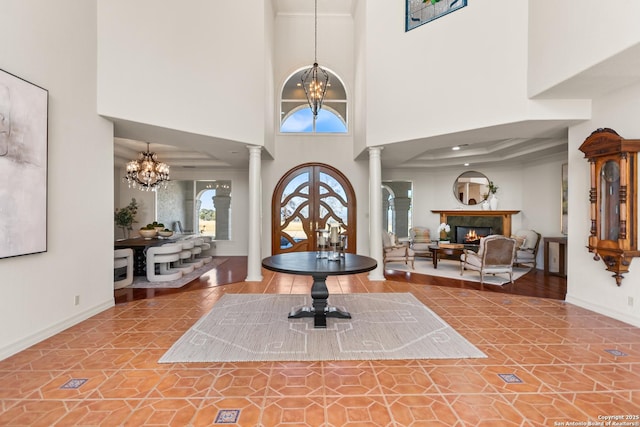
<point x="605" y="311"/>
<point x="43" y="334"/>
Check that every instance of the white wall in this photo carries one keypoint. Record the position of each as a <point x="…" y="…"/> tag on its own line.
<point x="194" y="65"/>
<point x="52" y="44"/>
<point x="465" y="71"/>
<point x="570" y="36"/>
<point x="589" y="284"/>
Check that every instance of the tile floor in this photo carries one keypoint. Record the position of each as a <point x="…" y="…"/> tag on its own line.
<point x="549" y="364"/>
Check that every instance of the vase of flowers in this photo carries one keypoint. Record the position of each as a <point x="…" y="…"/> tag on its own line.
<point x="125" y="217"/>
<point x="444" y="229"/>
<point x="493" y="201"/>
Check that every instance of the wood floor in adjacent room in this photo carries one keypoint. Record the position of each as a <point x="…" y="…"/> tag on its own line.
<point x="549" y="363"/>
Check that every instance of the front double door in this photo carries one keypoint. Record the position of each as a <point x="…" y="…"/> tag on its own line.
<point x="306" y="199"/>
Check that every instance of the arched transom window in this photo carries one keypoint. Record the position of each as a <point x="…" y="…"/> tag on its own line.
<point x="296" y="116"/>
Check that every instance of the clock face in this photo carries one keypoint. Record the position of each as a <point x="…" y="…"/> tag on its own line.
<point x="611" y="171"/>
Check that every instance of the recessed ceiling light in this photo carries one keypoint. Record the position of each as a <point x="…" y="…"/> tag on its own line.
<point x="466" y="164"/>
<point x="457" y="147"/>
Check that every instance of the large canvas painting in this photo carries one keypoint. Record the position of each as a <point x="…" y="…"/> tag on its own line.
<point x="23" y="166"/>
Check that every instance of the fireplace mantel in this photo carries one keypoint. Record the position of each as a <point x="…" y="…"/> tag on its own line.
<point x="505" y="216"/>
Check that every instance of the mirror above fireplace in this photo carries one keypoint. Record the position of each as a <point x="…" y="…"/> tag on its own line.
<point x="470" y="187"/>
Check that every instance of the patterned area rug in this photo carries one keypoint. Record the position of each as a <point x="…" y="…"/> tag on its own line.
<point x="451" y="269"/>
<point x="142" y="282"/>
<point x="255" y="327"/>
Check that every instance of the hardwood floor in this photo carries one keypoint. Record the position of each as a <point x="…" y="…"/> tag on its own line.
<point x="534" y="283"/>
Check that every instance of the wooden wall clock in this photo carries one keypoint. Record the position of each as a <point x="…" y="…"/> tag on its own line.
<point x="613" y="197"/>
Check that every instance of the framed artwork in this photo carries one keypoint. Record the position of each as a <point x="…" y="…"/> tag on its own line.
<point x="23" y="166"/>
<point x="420" y="12"/>
<point x="565" y="198"/>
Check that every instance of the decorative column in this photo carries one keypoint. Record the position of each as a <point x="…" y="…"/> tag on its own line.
<point x="402" y="205"/>
<point x="375" y="212"/>
<point x="222" y="203"/>
<point x="254" y="262"/>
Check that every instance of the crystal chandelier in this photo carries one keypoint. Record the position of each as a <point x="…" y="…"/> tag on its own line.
<point x="315" y="80"/>
<point x="147" y="173"/>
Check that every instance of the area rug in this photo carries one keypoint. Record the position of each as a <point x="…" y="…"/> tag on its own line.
<point x="255" y="327"/>
<point x="141" y="282"/>
<point x="451" y="270"/>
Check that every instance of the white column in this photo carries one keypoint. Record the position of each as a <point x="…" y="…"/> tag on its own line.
<point x="254" y="261"/>
<point x="375" y="212"/>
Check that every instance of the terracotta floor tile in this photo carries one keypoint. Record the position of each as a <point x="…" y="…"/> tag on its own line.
<point x="546" y="409"/>
<point x="242" y="382"/>
<point x="349" y="381"/>
<point x="36" y="413"/>
<point x="163" y="412"/>
<point x="547" y="361"/>
<point x="459" y="379"/>
<point x="422" y="410"/>
<point x="184" y="383"/>
<point x="404" y="380"/>
<point x="357" y="411"/>
<point x="294" y="411"/>
<point x="485" y="410"/>
<point x="301" y="381"/>
<point x="249" y="415"/>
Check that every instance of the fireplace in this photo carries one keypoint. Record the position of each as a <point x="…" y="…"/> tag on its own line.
<point x="470" y="235"/>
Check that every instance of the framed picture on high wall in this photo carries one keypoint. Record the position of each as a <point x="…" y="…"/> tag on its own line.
<point x="419" y="12"/>
<point x="23" y="166"/>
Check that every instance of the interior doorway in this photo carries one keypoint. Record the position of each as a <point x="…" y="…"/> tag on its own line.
<point x="307" y="198"/>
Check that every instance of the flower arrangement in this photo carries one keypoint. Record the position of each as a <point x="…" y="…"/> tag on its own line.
<point x="444" y="231"/>
<point x="126" y="216"/>
<point x="493" y="189"/>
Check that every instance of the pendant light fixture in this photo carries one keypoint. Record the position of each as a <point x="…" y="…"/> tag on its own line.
<point x="315" y="80"/>
<point x="147" y="173"/>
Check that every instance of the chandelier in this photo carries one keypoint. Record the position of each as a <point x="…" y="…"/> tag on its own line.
<point x="315" y="80"/>
<point x="147" y="173"/>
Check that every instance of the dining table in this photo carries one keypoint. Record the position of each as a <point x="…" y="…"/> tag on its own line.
<point x="309" y="263"/>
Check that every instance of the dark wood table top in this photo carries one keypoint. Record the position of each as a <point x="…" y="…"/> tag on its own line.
<point x="307" y="263"/>
<point x="139" y="242"/>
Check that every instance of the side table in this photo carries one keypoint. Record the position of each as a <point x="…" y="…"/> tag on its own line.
<point x="562" y="247"/>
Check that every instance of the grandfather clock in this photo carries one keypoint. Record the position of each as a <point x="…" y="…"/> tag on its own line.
<point x="614" y="204"/>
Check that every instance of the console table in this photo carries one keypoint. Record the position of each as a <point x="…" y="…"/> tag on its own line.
<point x="307" y="263"/>
<point x="562" y="247"/>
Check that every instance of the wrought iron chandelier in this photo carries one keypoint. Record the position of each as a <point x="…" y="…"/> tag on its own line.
<point x="315" y="80"/>
<point x="147" y="173"/>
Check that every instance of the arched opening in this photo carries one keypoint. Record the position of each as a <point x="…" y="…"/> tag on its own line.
<point x="306" y="199"/>
<point x="296" y="116"/>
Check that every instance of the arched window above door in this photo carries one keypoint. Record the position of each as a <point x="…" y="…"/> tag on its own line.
<point x="295" y="114"/>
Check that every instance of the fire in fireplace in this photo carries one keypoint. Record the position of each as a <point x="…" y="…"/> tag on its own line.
<point x="471" y="235"/>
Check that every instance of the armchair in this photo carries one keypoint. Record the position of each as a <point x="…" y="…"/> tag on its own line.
<point x="495" y="256"/>
<point x="527" y="242"/>
<point x="392" y="251"/>
<point x="420" y="239"/>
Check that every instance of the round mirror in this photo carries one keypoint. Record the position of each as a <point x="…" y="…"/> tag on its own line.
<point x="471" y="188"/>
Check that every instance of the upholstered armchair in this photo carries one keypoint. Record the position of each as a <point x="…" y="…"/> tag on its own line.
<point x="392" y="251"/>
<point x="527" y="244"/>
<point x="495" y="256"/>
<point x="420" y="239"/>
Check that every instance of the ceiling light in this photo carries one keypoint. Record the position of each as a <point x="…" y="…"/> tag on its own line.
<point x="315" y="80"/>
<point x="147" y="173"/>
<point x="467" y="164"/>
<point x="457" y="147"/>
